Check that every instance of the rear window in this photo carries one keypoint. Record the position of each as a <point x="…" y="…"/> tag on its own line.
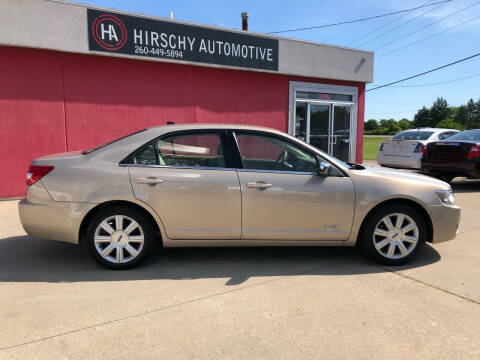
<point x="88" y="151"/>
<point x="466" y="135"/>
<point x="412" y="135"/>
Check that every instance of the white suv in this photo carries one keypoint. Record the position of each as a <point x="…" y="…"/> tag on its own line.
<point x="405" y="149"/>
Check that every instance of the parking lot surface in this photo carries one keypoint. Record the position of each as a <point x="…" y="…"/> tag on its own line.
<point x="241" y="303"/>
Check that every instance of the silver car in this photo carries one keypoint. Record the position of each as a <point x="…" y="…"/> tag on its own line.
<point x="228" y="185"/>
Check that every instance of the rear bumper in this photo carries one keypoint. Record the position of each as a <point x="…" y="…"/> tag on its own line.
<point x="445" y="220"/>
<point x="457" y="168"/>
<point x="410" y="162"/>
<point x="53" y="220"/>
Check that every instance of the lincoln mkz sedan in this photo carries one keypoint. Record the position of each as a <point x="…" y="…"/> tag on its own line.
<point x="458" y="155"/>
<point x="227" y="185"/>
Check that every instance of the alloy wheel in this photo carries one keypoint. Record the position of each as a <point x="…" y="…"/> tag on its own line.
<point x="119" y="239"/>
<point x="395" y="236"/>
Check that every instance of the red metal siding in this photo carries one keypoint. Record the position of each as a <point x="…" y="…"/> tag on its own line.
<point x="52" y="102"/>
<point x="225" y="96"/>
<point x="107" y="97"/>
<point x="32" y="116"/>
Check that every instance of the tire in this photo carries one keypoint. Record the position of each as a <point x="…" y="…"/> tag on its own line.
<point x="379" y="238"/>
<point x="121" y="249"/>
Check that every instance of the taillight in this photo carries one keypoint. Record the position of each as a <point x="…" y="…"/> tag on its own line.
<point x="381" y="147"/>
<point x="419" y="148"/>
<point x="474" y="152"/>
<point x="425" y="152"/>
<point x="36" y="172"/>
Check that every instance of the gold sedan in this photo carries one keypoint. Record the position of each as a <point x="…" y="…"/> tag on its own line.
<point x="229" y="185"/>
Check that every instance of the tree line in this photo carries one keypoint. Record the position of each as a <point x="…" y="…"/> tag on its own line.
<point x="439" y="115"/>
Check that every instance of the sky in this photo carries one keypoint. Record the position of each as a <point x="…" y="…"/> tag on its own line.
<point x="388" y="34"/>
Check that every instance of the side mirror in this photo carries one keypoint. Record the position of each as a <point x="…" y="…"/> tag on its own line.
<point x="323" y="168"/>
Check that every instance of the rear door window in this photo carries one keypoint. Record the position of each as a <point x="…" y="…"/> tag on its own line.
<point x="183" y="150"/>
<point x="204" y="150"/>
<point x="446" y="135"/>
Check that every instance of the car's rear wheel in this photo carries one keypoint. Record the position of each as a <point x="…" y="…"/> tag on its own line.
<point x="119" y="238"/>
<point x="393" y="234"/>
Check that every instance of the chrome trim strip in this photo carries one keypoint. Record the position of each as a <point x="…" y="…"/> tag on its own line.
<point x="178" y="167"/>
<point x="295" y="231"/>
<point x="266" y="230"/>
<point x="277" y="172"/>
<point x="202" y="229"/>
<point x="219" y="168"/>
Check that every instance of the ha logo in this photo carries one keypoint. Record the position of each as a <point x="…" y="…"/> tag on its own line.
<point x="109" y="32"/>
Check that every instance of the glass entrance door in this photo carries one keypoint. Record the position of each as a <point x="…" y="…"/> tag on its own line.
<point x="341" y="132"/>
<point x="325" y="125"/>
<point x="320" y="126"/>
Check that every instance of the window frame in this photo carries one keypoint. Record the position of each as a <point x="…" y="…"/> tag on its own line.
<point x="231" y="151"/>
<point x="222" y="134"/>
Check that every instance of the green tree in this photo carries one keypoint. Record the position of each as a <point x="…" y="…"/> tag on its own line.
<point x="405" y="124"/>
<point x="439" y="111"/>
<point x="473" y="114"/>
<point x="389" y="127"/>
<point x="422" y="118"/>
<point x="476" y="122"/>
<point x="449" y="124"/>
<point x="461" y="116"/>
<point x="371" y="126"/>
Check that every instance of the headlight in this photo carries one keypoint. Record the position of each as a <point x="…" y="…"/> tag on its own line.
<point x="446" y="196"/>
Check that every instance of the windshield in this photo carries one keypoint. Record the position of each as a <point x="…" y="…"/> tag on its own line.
<point x="348" y="166"/>
<point x="466" y="135"/>
<point x="413" y="135"/>
<point x="85" y="152"/>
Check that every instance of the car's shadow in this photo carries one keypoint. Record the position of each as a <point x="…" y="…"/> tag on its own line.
<point x="28" y="259"/>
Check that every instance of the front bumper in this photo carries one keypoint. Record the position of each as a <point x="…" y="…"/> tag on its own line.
<point x="53" y="220"/>
<point x="445" y="220"/>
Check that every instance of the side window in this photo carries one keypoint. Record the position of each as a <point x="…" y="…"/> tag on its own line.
<point x="451" y="134"/>
<point x="191" y="150"/>
<point x="197" y="149"/>
<point x="265" y="152"/>
<point x="147" y="156"/>
<point x="445" y="135"/>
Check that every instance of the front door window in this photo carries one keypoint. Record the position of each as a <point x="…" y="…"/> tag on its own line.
<point x="269" y="153"/>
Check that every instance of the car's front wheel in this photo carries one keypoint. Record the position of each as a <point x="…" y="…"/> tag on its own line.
<point x="393" y="234"/>
<point x="119" y="238"/>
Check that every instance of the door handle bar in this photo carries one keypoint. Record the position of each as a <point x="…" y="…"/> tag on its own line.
<point x="148" y="181"/>
<point x="258" y="185"/>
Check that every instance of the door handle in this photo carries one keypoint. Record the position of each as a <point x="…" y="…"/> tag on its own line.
<point x="259" y="185"/>
<point x="148" y="180"/>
